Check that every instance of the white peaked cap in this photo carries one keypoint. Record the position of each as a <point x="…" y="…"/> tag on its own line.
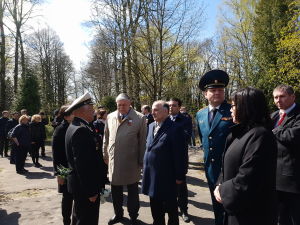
<point x="84" y="99"/>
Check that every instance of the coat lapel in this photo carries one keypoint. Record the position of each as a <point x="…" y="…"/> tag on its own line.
<point x="167" y="123"/>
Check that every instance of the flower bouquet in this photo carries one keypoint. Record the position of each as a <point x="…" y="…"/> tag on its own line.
<point x="63" y="172"/>
<point x="104" y="194"/>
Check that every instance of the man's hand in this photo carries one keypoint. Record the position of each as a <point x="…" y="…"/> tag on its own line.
<point x="60" y="180"/>
<point x="93" y="199"/>
<point x="179" y="181"/>
<point x="217" y="194"/>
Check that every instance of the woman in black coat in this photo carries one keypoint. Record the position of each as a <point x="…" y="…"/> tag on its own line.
<point x="21" y="142"/>
<point x="247" y="182"/>
<point x="37" y="137"/>
<point x="60" y="159"/>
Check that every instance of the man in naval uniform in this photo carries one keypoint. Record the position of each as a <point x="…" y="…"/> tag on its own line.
<point x="213" y="124"/>
<point x="84" y="181"/>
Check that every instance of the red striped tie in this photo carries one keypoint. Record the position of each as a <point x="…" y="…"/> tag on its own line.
<point x="281" y="118"/>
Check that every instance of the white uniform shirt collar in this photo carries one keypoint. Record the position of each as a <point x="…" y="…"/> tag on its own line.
<point x="210" y="108"/>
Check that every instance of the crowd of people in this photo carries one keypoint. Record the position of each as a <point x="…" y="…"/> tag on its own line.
<point x="24" y="134"/>
<point x="251" y="157"/>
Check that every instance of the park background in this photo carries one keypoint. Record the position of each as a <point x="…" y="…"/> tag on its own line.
<point x="150" y="49"/>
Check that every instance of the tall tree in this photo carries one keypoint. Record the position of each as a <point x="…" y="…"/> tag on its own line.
<point x="2" y="59"/>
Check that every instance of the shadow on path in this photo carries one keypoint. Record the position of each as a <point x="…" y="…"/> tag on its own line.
<point x="38" y="175"/>
<point x="196" y="181"/>
<point x="9" y="219"/>
<point x="202" y="221"/>
<point x="201" y="205"/>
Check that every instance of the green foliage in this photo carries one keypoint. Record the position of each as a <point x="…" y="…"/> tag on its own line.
<point x="109" y="102"/>
<point x="29" y="95"/>
<point x="272" y="17"/>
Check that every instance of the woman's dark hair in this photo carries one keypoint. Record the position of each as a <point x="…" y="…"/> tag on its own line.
<point x="251" y="108"/>
<point x="62" y="113"/>
<point x="101" y="113"/>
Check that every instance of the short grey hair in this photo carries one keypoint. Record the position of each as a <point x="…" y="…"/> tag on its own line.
<point x="286" y="88"/>
<point x="163" y="103"/>
<point x="122" y="96"/>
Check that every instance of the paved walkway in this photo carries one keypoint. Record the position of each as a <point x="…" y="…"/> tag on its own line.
<point x="32" y="199"/>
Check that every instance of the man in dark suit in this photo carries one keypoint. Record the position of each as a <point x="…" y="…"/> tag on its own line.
<point x="164" y="165"/>
<point x="286" y="123"/>
<point x="146" y="110"/>
<point x="84" y="182"/>
<point x="3" y="133"/>
<point x="186" y="124"/>
<point x="213" y="125"/>
<point x="60" y="159"/>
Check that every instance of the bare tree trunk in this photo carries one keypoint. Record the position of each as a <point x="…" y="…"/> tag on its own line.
<point x="23" y="66"/>
<point x="2" y="61"/>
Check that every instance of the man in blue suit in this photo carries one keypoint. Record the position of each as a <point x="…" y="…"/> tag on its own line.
<point x="213" y="125"/>
<point x="164" y="165"/>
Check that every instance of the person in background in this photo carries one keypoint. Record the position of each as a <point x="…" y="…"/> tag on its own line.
<point x="22" y="141"/>
<point x="184" y="112"/>
<point x="246" y="186"/>
<point x="213" y="124"/>
<point x="286" y="124"/>
<point x="3" y="133"/>
<point x="146" y="111"/>
<point x="99" y="125"/>
<point x="37" y="135"/>
<point x="60" y="159"/>
<point x="24" y="112"/>
<point x="57" y="119"/>
<point x="185" y="123"/>
<point x="44" y="122"/>
<point x="124" y="147"/>
<point x="11" y="124"/>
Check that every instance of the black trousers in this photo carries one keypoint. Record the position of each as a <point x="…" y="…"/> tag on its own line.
<point x="35" y="152"/>
<point x="67" y="208"/>
<point x="288" y="208"/>
<point x="217" y="207"/>
<point x="42" y="145"/>
<point x="182" y="197"/>
<point x="159" y="208"/>
<point x="133" y="202"/>
<point x="3" y="145"/>
<point x="21" y="154"/>
<point x="13" y="153"/>
<point x="86" y="212"/>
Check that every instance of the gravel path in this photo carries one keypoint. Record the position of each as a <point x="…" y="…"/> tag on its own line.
<point x="32" y="199"/>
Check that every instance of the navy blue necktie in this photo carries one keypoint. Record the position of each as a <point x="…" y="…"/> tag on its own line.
<point x="213" y="111"/>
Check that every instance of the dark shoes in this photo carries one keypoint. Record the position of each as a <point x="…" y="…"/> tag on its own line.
<point x="37" y="165"/>
<point x="185" y="217"/>
<point x="115" y="219"/>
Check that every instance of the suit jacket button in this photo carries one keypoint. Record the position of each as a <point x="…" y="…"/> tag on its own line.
<point x="212" y="160"/>
<point x="210" y="137"/>
<point x="210" y="148"/>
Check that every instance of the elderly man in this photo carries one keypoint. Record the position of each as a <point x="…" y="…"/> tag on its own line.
<point x="3" y="132"/>
<point x="124" y="147"/>
<point x="84" y="181"/>
<point x="286" y="122"/>
<point x="213" y="123"/>
<point x="164" y="165"/>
